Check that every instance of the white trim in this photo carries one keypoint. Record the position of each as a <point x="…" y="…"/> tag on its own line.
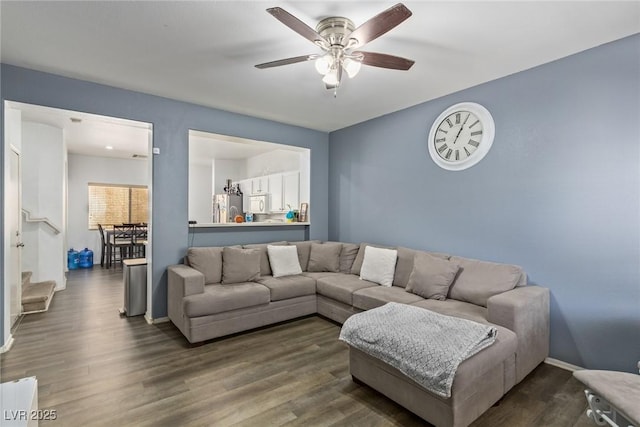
<point x="151" y="321"/>
<point x="7" y="346"/>
<point x="563" y="365"/>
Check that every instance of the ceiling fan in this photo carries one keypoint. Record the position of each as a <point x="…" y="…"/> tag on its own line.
<point x="339" y="40"/>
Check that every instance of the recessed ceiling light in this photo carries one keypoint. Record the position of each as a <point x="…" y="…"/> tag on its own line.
<point x="108" y="147"/>
<point x="75" y="120"/>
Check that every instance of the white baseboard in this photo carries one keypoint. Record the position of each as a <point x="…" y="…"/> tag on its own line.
<point x="155" y="321"/>
<point x="563" y="365"/>
<point x="7" y="346"/>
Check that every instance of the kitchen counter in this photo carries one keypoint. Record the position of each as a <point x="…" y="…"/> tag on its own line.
<point x="248" y="224"/>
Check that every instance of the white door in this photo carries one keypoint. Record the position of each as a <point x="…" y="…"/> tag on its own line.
<point x="14" y="228"/>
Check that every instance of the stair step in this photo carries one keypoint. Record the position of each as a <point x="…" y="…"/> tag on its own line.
<point x="36" y="297"/>
<point x="26" y="278"/>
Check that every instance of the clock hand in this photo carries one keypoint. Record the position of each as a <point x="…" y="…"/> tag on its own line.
<point x="461" y="127"/>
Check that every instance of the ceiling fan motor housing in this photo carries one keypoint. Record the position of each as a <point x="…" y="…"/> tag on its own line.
<point x="335" y="30"/>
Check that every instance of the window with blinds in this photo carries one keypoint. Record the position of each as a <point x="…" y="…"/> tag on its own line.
<point x="117" y="204"/>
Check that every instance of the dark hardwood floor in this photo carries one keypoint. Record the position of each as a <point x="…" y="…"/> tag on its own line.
<point x="96" y="368"/>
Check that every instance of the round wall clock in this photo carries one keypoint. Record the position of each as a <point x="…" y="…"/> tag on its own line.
<point x="461" y="136"/>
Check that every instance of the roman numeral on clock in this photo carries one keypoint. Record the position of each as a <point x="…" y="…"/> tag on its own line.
<point x="474" y="123"/>
<point x="474" y="143"/>
<point x="457" y="154"/>
<point x="448" y="155"/>
<point x="441" y="140"/>
<point x="442" y="130"/>
<point x="449" y="122"/>
<point x="457" y="118"/>
<point x="442" y="148"/>
<point x="467" y="151"/>
<point x="478" y="132"/>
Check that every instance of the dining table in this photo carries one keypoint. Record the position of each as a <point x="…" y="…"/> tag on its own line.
<point x="137" y="234"/>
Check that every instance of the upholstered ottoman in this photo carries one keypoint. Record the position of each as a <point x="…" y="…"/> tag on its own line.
<point x="479" y="381"/>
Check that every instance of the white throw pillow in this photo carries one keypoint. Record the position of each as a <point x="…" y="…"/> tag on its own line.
<point x="379" y="265"/>
<point x="284" y="260"/>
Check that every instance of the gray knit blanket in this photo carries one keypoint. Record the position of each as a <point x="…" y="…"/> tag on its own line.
<point x="425" y="346"/>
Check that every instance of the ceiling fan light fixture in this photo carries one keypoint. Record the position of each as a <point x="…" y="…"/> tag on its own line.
<point x="324" y="64"/>
<point x="351" y="66"/>
<point x="331" y="78"/>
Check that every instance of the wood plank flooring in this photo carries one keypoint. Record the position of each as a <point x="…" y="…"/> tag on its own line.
<point x="95" y="368"/>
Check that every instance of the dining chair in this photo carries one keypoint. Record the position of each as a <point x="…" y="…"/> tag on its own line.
<point x="103" y="246"/>
<point x="121" y="243"/>
<point x="139" y="240"/>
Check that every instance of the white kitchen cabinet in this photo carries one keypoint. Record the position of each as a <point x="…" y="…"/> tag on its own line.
<point x="259" y="185"/>
<point x="276" y="199"/>
<point x="291" y="190"/>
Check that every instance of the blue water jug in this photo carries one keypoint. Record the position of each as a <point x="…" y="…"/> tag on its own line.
<point x="73" y="259"/>
<point x="86" y="258"/>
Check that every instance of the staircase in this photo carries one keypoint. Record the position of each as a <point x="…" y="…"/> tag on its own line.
<point x="36" y="297"/>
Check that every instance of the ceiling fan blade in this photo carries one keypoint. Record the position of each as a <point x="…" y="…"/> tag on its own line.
<point x="380" y="24"/>
<point x="287" y="61"/>
<point x="383" y="60"/>
<point x="296" y="25"/>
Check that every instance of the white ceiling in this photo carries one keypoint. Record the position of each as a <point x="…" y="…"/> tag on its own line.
<point x="90" y="134"/>
<point x="205" y="51"/>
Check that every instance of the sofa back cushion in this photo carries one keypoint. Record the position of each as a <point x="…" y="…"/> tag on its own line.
<point x="357" y="262"/>
<point x="348" y="256"/>
<point x="240" y="265"/>
<point x="265" y="267"/>
<point x="477" y="280"/>
<point x="208" y="261"/>
<point x="325" y="257"/>
<point x="304" y="250"/>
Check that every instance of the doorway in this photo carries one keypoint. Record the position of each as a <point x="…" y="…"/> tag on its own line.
<point x="88" y="148"/>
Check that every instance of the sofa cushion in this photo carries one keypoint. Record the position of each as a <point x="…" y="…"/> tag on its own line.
<point x="477" y="280"/>
<point x="379" y="265"/>
<point x="289" y="286"/>
<point x="347" y="255"/>
<point x="451" y="307"/>
<point x="240" y="265"/>
<point x="368" y="298"/>
<point x="325" y="257"/>
<point x="340" y="286"/>
<point x="304" y="250"/>
<point x="221" y="298"/>
<point x="431" y="276"/>
<point x="265" y="267"/>
<point x="357" y="262"/>
<point x="315" y="275"/>
<point x="284" y="260"/>
<point x="207" y="261"/>
<point x="404" y="265"/>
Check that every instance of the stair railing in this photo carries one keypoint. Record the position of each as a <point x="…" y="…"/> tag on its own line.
<point x="29" y="218"/>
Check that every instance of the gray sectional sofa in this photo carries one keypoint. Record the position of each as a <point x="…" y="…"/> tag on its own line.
<point x="209" y="296"/>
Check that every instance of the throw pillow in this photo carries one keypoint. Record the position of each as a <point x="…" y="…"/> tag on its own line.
<point x="284" y="260"/>
<point x="207" y="261"/>
<point x="431" y="276"/>
<point x="325" y="257"/>
<point x="240" y="265"/>
<point x="379" y="265"/>
<point x="265" y="267"/>
<point x="304" y="250"/>
<point x="357" y="262"/>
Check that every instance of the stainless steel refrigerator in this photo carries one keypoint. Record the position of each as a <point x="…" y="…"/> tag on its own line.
<point x="226" y="207"/>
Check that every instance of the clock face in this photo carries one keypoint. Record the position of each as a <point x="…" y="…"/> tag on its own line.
<point x="461" y="136"/>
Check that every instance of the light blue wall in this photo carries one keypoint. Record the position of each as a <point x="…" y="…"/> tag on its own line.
<point x="171" y="121"/>
<point x="557" y="194"/>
